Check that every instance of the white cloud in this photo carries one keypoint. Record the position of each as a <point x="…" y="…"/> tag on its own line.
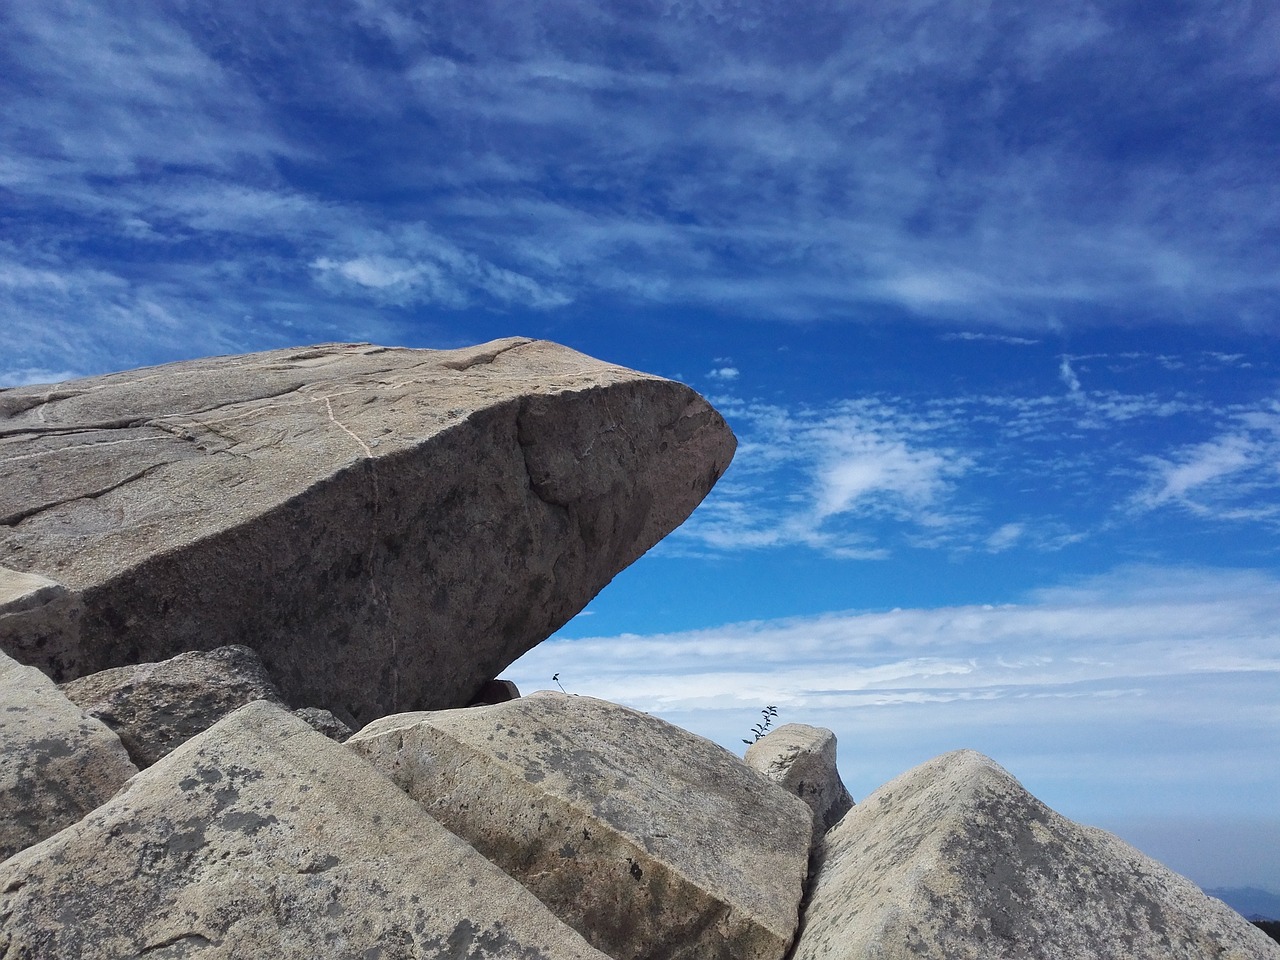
<point x="991" y="338"/>
<point x="724" y="373"/>
<point x="809" y="477"/>
<point x="1233" y="477"/>
<point x="858" y="465"/>
<point x="1006" y="537"/>
<point x="843" y="178"/>
<point x="1201" y="465"/>
<point x="1068" y="377"/>
<point x="119" y="88"/>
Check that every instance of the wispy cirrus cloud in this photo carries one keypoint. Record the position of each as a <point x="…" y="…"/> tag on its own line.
<point x="906" y="162"/>
<point x="1234" y="476"/>
<point x="995" y="473"/>
<point x="801" y="477"/>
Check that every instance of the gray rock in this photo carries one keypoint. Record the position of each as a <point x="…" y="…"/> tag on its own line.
<point x="322" y="721"/>
<point x="156" y="707"/>
<point x="262" y="838"/>
<point x="56" y="764"/>
<point x="802" y="760"/>
<point x="36" y="617"/>
<point x="649" y="840"/>
<point x="494" y="691"/>
<point x="954" y="860"/>
<point x="388" y="528"/>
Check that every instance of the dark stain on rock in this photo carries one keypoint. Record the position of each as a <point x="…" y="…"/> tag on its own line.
<point x="247" y="822"/>
<point x="186" y="841"/>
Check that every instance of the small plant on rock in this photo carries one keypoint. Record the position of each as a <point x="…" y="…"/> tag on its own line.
<point x="760" y="729"/>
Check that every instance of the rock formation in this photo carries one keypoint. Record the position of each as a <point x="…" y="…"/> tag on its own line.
<point x="262" y="838"/>
<point x="56" y="764"/>
<point x="156" y="707"/>
<point x="650" y="841"/>
<point x="954" y="860"/>
<point x="802" y="760"/>
<point x="388" y="528"/>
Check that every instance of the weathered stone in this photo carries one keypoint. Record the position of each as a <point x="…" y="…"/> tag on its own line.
<point x="954" y="860"/>
<point x="494" y="691"/>
<point x="156" y="707"/>
<point x="802" y="760"/>
<point x="37" y="615"/>
<point x="56" y="764"/>
<point x="388" y="528"/>
<point x="649" y="840"/>
<point x="323" y="721"/>
<point x="262" y="838"/>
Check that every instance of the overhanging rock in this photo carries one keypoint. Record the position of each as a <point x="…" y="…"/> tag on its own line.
<point x="388" y="528"/>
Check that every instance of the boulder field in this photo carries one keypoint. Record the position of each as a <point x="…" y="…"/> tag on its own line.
<point x="212" y="572"/>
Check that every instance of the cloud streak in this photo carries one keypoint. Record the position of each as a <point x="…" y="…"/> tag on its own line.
<point x="908" y="162"/>
<point x="996" y="473"/>
<point x="800" y="477"/>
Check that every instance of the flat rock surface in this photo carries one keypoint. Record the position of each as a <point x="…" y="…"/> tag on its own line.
<point x="954" y="860"/>
<point x="389" y="528"/>
<point x="156" y="707"/>
<point x="262" y="838"/>
<point x="651" y="841"/>
<point x="56" y="764"/>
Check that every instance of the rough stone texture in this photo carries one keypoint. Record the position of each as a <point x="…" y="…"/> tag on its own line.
<point x="262" y="838"/>
<point x="802" y="760"/>
<point x="954" y="860"/>
<point x="35" y="612"/>
<point x="322" y="721"/>
<point x="388" y="528"/>
<point x="56" y="764"/>
<point x="495" y="691"/>
<point x="156" y="707"/>
<point x="651" y="841"/>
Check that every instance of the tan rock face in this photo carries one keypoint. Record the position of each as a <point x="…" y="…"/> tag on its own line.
<point x="954" y="860"/>
<point x="802" y="760"/>
<point x="156" y="707"/>
<point x="37" y="615"/>
<point x="56" y="764"/>
<point x="388" y="528"/>
<point x="262" y="838"/>
<point x="651" y="841"/>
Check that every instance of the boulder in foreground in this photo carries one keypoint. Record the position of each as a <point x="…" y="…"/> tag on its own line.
<point x="263" y="838"/>
<point x="56" y="763"/>
<point x="652" y="842"/>
<point x="388" y="528"/>
<point x="954" y="860"/>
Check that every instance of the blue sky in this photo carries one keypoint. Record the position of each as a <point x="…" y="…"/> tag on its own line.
<point x="989" y="293"/>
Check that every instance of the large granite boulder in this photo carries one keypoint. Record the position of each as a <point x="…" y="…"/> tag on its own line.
<point x="954" y="860"/>
<point x="802" y="760"/>
<point x="56" y="764"/>
<point x="262" y="838"/>
<point x="651" y="841"/>
<point x="156" y="707"/>
<point x="388" y="528"/>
